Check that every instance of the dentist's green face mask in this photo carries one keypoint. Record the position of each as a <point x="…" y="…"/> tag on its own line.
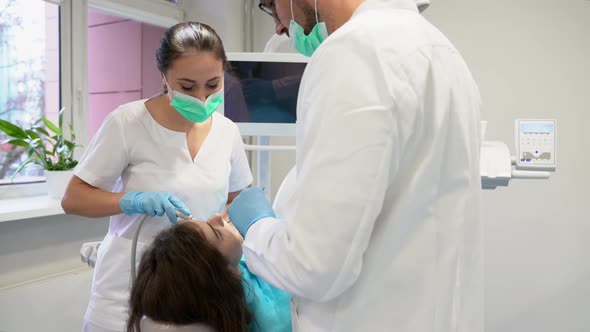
<point x="194" y="109"/>
<point x="307" y="44"/>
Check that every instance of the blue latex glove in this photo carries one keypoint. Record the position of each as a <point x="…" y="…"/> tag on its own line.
<point x="250" y="206"/>
<point x="152" y="204"/>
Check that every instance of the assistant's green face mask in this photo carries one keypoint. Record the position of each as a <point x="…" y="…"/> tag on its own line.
<point x="195" y="110"/>
<point x="307" y="44"/>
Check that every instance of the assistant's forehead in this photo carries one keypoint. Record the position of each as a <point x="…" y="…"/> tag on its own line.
<point x="196" y="65"/>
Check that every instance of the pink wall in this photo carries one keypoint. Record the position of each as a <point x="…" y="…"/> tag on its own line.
<point x="96" y="18"/>
<point x="121" y="64"/>
<point x="151" y="81"/>
<point x="100" y="105"/>
<point x="114" y="57"/>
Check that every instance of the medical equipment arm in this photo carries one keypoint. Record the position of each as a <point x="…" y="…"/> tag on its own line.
<point x="86" y="200"/>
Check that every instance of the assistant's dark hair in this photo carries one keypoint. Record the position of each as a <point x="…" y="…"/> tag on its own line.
<point x="186" y="37"/>
<point x="182" y="279"/>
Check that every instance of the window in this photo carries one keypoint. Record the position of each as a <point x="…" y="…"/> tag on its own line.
<point x="36" y="36"/>
<point x="29" y="75"/>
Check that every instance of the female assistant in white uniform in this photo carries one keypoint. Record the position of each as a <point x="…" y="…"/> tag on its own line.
<point x="171" y="152"/>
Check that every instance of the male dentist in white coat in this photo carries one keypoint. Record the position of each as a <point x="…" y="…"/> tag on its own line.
<point x="382" y="231"/>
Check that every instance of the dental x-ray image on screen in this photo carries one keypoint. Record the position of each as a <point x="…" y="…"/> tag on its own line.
<point x="262" y="91"/>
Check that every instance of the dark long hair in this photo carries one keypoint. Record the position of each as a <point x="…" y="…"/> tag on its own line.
<point x="182" y="279"/>
<point x="186" y="37"/>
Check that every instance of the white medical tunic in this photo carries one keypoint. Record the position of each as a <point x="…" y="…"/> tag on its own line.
<point x="383" y="229"/>
<point x="131" y="151"/>
<point x="278" y="44"/>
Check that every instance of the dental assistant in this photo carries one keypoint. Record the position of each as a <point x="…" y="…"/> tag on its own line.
<point x="382" y="229"/>
<point x="156" y="156"/>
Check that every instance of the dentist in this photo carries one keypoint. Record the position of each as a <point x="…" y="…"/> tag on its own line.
<point x="382" y="230"/>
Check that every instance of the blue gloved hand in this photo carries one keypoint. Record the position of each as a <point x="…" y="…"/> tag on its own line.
<point x="250" y="206"/>
<point x="152" y="204"/>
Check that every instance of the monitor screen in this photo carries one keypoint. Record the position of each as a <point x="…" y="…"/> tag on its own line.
<point x="261" y="91"/>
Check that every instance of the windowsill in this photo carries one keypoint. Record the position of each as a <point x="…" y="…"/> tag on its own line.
<point x="29" y="207"/>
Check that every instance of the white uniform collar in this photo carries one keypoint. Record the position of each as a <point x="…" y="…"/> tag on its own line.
<point x="413" y="5"/>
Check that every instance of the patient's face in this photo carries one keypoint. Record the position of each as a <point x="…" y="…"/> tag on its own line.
<point x="224" y="236"/>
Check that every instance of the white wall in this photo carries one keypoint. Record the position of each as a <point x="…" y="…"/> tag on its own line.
<point x="225" y="16"/>
<point x="531" y="60"/>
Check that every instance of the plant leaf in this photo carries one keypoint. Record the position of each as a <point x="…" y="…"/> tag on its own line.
<point x="40" y="130"/>
<point x="35" y="143"/>
<point x="20" y="168"/>
<point x="52" y="126"/>
<point x="17" y="142"/>
<point x="32" y="134"/>
<point x="12" y="129"/>
<point x="40" y="158"/>
<point x="63" y="149"/>
<point x="61" y="118"/>
<point x="49" y="165"/>
<point x="72" y="132"/>
<point x="69" y="144"/>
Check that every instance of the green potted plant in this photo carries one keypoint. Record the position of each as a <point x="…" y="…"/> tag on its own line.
<point x="46" y="146"/>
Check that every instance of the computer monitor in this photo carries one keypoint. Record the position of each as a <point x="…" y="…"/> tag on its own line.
<point x="261" y="92"/>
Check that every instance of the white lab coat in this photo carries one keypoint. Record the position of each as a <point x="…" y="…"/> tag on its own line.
<point x="278" y="44"/>
<point x="383" y="232"/>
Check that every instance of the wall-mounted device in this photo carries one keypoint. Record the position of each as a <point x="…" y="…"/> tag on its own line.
<point x="536" y="145"/>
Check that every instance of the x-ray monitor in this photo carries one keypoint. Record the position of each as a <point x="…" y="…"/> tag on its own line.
<point x="260" y="92"/>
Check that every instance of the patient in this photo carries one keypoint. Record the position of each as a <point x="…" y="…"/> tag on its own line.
<point x="193" y="274"/>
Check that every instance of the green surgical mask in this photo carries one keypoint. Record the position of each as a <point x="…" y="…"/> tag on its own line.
<point x="307" y="44"/>
<point x="194" y="109"/>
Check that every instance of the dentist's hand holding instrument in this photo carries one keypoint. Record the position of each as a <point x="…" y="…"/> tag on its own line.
<point x="153" y="204"/>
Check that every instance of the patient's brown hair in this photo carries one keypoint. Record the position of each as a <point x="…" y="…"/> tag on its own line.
<point x="182" y="279"/>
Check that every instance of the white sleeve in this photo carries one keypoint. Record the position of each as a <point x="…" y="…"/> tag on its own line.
<point x="241" y="175"/>
<point x="106" y="156"/>
<point x="344" y="160"/>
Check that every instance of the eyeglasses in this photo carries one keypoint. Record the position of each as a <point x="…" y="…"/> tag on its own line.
<point x="267" y="7"/>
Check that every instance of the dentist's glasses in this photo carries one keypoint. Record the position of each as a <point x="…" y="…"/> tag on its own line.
<point x="268" y="7"/>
